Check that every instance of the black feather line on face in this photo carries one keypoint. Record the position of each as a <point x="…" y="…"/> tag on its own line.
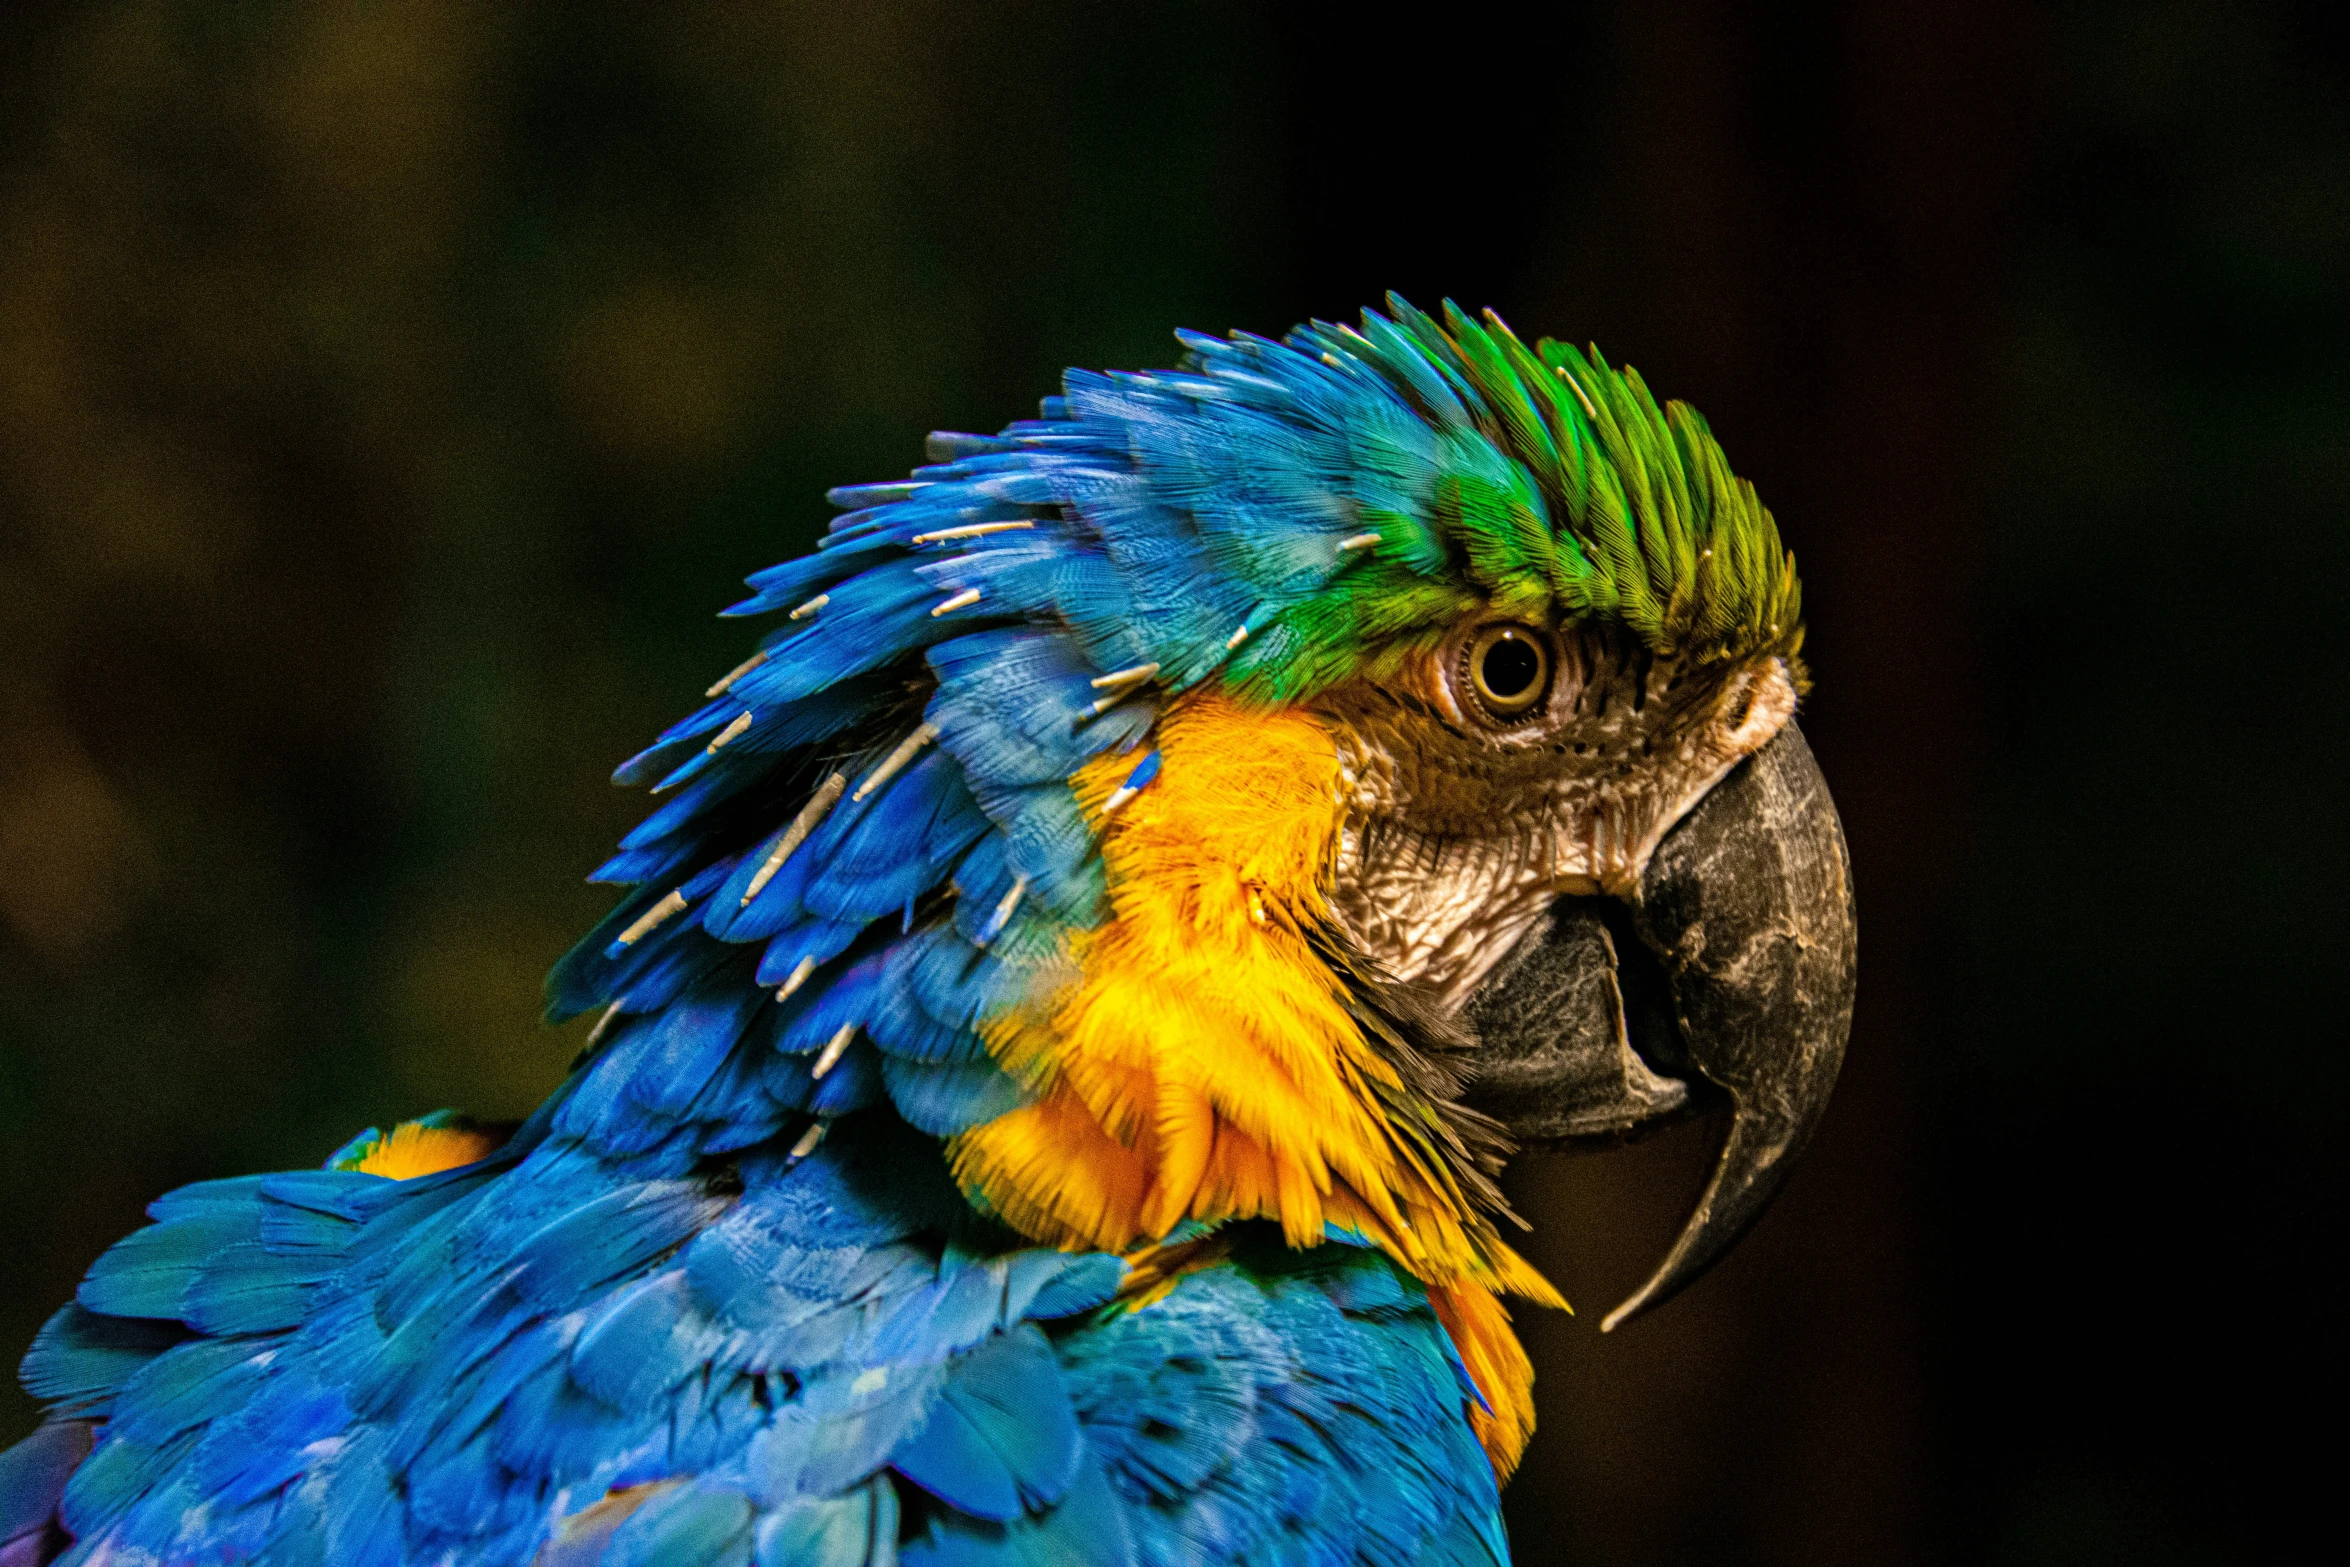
<point x="1433" y="1053"/>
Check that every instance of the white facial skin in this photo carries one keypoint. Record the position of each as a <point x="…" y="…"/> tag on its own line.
<point x="1478" y="796"/>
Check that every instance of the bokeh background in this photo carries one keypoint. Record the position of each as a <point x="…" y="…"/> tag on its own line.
<point x="390" y="392"/>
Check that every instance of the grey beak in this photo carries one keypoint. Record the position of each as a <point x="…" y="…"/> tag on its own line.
<point x="1729" y="979"/>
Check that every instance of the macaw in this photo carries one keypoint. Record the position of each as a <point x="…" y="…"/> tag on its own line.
<point x="1079" y="981"/>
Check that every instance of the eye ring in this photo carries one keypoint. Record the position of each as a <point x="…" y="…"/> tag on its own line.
<point x="1508" y="669"/>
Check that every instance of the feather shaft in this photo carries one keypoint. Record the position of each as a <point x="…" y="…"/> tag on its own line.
<point x="834" y="1048"/>
<point x="896" y="760"/>
<point x="1120" y="679"/>
<point x="826" y="796"/>
<point x="651" y="919"/>
<point x="736" y="673"/>
<point x="967" y="597"/>
<point x="795" y="979"/>
<point x="972" y="531"/>
<point x="731" y="732"/>
<point x="1004" y="910"/>
<point x="603" y="1025"/>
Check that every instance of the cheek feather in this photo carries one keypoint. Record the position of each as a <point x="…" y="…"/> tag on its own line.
<point x="1463" y="837"/>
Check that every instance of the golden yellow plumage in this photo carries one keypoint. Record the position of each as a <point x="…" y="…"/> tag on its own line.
<point x="414" y="1148"/>
<point x="1202" y="1062"/>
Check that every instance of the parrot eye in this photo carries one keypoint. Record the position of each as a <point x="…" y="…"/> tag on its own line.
<point x="1509" y="669"/>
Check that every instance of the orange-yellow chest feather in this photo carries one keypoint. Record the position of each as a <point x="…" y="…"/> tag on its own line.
<point x="415" y="1148"/>
<point x="1202" y="1063"/>
<point x="1198" y="1065"/>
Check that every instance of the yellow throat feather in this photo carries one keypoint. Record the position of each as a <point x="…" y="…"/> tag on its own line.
<point x="1202" y="1062"/>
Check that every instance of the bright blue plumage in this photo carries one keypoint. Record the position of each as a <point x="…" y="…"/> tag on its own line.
<point x="718" y="1300"/>
<point x="514" y="1341"/>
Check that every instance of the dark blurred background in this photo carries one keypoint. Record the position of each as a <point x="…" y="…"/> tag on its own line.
<point x="389" y="393"/>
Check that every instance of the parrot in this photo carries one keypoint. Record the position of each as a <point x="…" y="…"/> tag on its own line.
<point x="1070" y="1006"/>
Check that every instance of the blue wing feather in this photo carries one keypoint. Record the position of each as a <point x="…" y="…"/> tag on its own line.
<point x="790" y="1354"/>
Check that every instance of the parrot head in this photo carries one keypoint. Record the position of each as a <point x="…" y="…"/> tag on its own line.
<point x="1616" y="869"/>
<point x="1301" y="777"/>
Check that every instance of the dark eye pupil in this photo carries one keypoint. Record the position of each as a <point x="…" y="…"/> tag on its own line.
<point x="1511" y="668"/>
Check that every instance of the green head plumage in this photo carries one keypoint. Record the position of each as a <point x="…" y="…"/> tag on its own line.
<point x="1541" y="480"/>
<point x="1283" y="517"/>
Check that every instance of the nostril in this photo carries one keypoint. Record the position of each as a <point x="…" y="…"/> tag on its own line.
<point x="1741" y="705"/>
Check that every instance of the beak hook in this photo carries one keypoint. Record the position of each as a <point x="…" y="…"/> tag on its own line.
<point x="1748" y="905"/>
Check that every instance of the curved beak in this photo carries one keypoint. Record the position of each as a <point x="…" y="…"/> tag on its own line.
<point x="1728" y="979"/>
